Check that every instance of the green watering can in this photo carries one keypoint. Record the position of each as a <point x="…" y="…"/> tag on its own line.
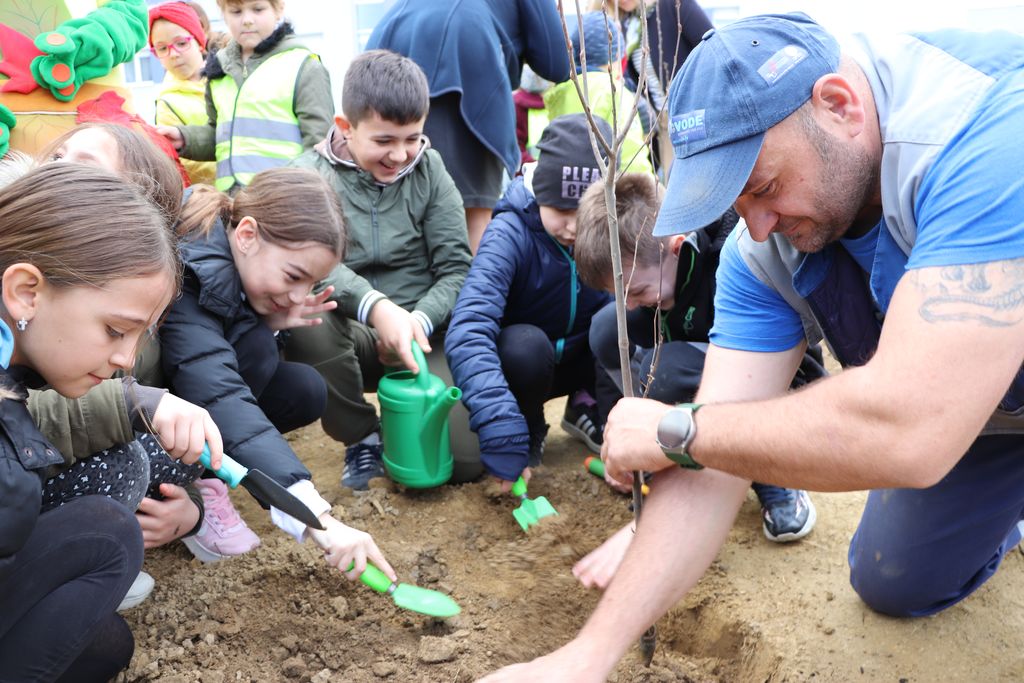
<point x="414" y="422"/>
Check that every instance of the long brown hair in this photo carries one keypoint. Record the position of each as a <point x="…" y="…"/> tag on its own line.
<point x="142" y="163"/>
<point x="290" y="206"/>
<point x="83" y="226"/>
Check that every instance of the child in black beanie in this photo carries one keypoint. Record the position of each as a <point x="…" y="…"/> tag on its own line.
<point x="519" y="332"/>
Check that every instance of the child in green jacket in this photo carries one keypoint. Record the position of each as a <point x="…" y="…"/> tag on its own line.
<point x="408" y="255"/>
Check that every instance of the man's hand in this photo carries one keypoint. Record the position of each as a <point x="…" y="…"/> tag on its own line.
<point x="631" y="439"/>
<point x="173" y="136"/>
<point x="344" y="546"/>
<point x="162" y="521"/>
<point x="305" y="314"/>
<point x="396" y="328"/>
<point x="183" y="429"/>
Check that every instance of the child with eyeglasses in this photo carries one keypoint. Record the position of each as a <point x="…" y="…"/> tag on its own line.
<point x="268" y="97"/>
<point x="177" y="38"/>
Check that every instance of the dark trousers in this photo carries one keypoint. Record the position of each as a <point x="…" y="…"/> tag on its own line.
<point x="674" y="376"/>
<point x="918" y="551"/>
<point x="680" y="364"/>
<point x="529" y="365"/>
<point x="344" y="353"/>
<point x="59" y="593"/>
<point x="291" y="395"/>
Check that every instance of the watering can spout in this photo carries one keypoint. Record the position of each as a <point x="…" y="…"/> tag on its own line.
<point x="437" y="415"/>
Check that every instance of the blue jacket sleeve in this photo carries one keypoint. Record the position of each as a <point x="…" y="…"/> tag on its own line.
<point x="472" y="351"/>
<point x="200" y="365"/>
<point x="544" y="44"/>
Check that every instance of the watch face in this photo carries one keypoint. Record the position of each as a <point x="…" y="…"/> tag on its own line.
<point x="673" y="429"/>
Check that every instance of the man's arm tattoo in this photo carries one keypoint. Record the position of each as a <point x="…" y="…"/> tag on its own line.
<point x="989" y="293"/>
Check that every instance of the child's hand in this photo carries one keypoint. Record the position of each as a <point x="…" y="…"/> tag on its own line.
<point x="183" y="429"/>
<point x="173" y="136"/>
<point x="162" y="521"/>
<point x="344" y="546"/>
<point x="396" y="328"/>
<point x="304" y="314"/>
<point x="506" y="485"/>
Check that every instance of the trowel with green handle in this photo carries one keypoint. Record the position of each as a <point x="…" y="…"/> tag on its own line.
<point x="262" y="488"/>
<point x="407" y="596"/>
<point x="530" y="511"/>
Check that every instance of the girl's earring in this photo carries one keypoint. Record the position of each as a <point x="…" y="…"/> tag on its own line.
<point x="22" y="324"/>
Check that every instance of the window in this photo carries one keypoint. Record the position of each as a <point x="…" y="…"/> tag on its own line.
<point x="144" y="68"/>
<point x="368" y="13"/>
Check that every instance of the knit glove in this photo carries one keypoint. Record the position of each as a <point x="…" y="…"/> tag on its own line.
<point x="82" y="49"/>
<point x="7" y="121"/>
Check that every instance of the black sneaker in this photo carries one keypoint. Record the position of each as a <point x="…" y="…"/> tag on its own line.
<point x="362" y="463"/>
<point x="537" y="440"/>
<point x="580" y="420"/>
<point x="788" y="514"/>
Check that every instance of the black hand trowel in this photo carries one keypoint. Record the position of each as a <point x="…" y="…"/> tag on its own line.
<point x="262" y="488"/>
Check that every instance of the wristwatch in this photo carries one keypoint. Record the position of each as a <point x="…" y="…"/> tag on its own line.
<point x="676" y="431"/>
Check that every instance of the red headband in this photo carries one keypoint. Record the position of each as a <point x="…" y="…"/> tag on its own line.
<point x="181" y="14"/>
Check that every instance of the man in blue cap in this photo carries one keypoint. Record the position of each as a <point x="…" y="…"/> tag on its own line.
<point x="882" y="189"/>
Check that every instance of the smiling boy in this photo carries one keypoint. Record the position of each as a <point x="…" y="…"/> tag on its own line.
<point x="407" y="257"/>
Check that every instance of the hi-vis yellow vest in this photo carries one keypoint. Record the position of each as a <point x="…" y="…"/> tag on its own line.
<point x="256" y="124"/>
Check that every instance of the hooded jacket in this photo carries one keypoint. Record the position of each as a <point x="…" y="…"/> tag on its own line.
<point x="312" y="103"/>
<point x="519" y="275"/>
<point x="197" y="348"/>
<point x="407" y="239"/>
<point x="25" y="456"/>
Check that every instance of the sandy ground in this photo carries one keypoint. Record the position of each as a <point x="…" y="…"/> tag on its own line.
<point x="764" y="612"/>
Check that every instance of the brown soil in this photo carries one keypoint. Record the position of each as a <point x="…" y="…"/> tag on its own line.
<point x="764" y="612"/>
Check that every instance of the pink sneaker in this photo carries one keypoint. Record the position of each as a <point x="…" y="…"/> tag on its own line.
<point x="223" y="533"/>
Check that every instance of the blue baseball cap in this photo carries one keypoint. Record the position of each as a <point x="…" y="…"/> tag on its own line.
<point x="736" y="84"/>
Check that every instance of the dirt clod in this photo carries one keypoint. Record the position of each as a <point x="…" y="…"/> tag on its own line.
<point x="433" y="650"/>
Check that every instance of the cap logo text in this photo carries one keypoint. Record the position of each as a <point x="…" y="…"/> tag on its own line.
<point x="781" y="63"/>
<point x="688" y="127"/>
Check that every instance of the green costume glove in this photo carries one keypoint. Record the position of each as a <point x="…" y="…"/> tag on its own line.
<point x="7" y="121"/>
<point x="82" y="49"/>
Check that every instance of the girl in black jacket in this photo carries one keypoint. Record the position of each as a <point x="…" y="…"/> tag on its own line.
<point x="77" y="294"/>
<point x="250" y="264"/>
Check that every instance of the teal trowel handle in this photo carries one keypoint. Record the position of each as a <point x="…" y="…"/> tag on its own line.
<point x="519" y="488"/>
<point x="230" y="471"/>
<point x="374" y="578"/>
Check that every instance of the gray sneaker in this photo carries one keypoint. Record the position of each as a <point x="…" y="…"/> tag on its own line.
<point x="363" y="462"/>
<point x="788" y="514"/>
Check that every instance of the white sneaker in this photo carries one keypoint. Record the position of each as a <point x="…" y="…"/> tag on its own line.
<point x="140" y="589"/>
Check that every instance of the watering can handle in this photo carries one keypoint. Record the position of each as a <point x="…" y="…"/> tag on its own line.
<point x="423" y="376"/>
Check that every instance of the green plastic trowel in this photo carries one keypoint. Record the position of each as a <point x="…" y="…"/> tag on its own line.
<point x="530" y="511"/>
<point x="407" y="596"/>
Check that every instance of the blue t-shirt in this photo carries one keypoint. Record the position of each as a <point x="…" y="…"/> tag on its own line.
<point x="969" y="209"/>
